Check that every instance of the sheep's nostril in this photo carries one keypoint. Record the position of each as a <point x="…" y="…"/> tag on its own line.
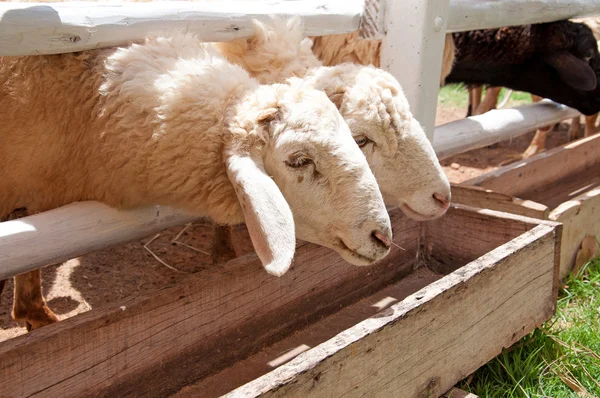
<point x="381" y="239"/>
<point x="442" y="199"/>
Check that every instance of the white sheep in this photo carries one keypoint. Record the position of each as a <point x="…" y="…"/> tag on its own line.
<point x="372" y="103"/>
<point x="171" y="122"/>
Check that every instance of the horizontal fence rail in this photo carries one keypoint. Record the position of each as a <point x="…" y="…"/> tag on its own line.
<point x="497" y="125"/>
<point x="485" y="14"/>
<point x="73" y="230"/>
<point x="53" y="28"/>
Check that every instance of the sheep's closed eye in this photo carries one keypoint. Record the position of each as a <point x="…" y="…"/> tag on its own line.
<point x="362" y="141"/>
<point x="298" y="161"/>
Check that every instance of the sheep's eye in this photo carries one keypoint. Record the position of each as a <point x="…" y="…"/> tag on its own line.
<point x="587" y="58"/>
<point x="362" y="141"/>
<point x="298" y="161"/>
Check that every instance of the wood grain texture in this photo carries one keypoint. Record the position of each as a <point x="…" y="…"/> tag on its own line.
<point x="495" y="126"/>
<point x="372" y="25"/>
<point x="543" y="169"/>
<point x="458" y="240"/>
<point x="154" y="344"/>
<point x="257" y="365"/>
<point x="566" y="179"/>
<point x="70" y="231"/>
<point x="487" y="199"/>
<point x="580" y="217"/>
<point x="422" y="345"/>
<point x="483" y="14"/>
<point x="52" y="28"/>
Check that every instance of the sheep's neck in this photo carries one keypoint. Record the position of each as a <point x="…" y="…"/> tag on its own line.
<point x="177" y="161"/>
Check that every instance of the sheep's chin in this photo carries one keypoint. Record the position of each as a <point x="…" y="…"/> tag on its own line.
<point x="406" y="209"/>
<point x="352" y="256"/>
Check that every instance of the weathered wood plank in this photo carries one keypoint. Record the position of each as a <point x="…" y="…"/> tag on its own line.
<point x="566" y="179"/>
<point x="76" y="229"/>
<point x="580" y="217"/>
<point x="567" y="188"/>
<point x="446" y="239"/>
<point x="483" y="14"/>
<point x="52" y="28"/>
<point x="274" y="355"/>
<point x="543" y="169"/>
<point x="495" y="126"/>
<point x="487" y="199"/>
<point x="171" y="338"/>
<point x="422" y="345"/>
<point x="372" y="21"/>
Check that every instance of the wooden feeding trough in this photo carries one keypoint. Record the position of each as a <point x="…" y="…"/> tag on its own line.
<point x="457" y="291"/>
<point x="562" y="184"/>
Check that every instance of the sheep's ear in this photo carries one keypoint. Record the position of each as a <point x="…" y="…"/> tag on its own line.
<point x="572" y="70"/>
<point x="337" y="99"/>
<point x="268" y="216"/>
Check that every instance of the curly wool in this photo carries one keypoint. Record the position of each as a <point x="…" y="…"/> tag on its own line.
<point x="129" y="127"/>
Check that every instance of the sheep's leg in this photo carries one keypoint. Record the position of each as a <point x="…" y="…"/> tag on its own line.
<point x="222" y="248"/>
<point x="575" y="127"/>
<point x="490" y="100"/>
<point x="590" y="125"/>
<point x="29" y="305"/>
<point x="477" y="93"/>
<point x="538" y="143"/>
<point x="474" y="99"/>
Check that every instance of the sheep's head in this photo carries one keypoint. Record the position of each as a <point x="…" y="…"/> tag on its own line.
<point x="557" y="60"/>
<point x="300" y="140"/>
<point x="572" y="62"/>
<point x="397" y="150"/>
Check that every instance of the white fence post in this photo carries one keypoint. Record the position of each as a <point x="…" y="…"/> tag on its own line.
<point x="412" y="51"/>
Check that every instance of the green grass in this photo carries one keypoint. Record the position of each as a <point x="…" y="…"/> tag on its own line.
<point x="561" y="359"/>
<point x="455" y="95"/>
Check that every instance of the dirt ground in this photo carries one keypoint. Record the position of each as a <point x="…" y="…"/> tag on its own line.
<point x="107" y="277"/>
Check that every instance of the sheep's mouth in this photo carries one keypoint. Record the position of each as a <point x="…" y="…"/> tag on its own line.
<point x="353" y="253"/>
<point x="414" y="214"/>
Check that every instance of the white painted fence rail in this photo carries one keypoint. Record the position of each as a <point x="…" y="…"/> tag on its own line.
<point x="52" y="28"/>
<point x="74" y="230"/>
<point x="484" y="14"/>
<point x="497" y="125"/>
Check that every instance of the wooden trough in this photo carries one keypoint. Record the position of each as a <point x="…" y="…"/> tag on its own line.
<point x="562" y="184"/>
<point x="457" y="291"/>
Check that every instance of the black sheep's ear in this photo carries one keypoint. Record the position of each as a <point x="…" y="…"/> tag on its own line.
<point x="572" y="70"/>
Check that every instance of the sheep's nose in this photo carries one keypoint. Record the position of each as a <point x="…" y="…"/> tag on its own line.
<point x="382" y="238"/>
<point x="443" y="200"/>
